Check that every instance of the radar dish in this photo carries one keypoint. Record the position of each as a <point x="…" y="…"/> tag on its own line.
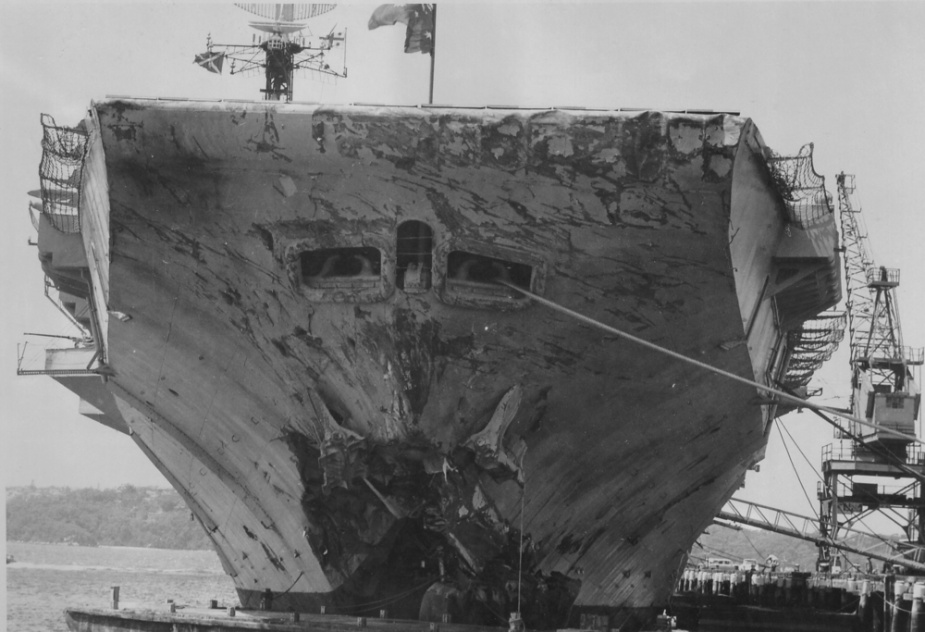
<point x="286" y="12"/>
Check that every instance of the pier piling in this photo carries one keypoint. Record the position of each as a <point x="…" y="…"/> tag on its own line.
<point x="899" y="608"/>
<point x="864" y="606"/>
<point x="917" y="616"/>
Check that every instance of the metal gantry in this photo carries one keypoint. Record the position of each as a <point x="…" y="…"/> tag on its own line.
<point x="805" y="528"/>
<point x="884" y="392"/>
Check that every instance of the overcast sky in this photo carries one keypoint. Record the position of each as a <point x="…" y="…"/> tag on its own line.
<point x="846" y="76"/>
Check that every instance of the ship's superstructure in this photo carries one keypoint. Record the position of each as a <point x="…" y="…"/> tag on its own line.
<point x="296" y="312"/>
<point x="280" y="50"/>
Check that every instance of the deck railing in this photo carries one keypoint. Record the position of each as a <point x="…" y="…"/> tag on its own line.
<point x="849" y="451"/>
<point x="80" y="359"/>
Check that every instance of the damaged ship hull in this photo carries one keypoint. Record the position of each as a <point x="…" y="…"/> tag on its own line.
<point x="307" y="317"/>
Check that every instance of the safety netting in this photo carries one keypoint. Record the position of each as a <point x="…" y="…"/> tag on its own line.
<point x="63" y="151"/>
<point x="802" y="189"/>
<point x="811" y="345"/>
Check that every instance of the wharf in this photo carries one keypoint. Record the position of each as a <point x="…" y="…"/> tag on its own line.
<point x="213" y="620"/>
<point x="222" y="620"/>
<point x="800" y="601"/>
<point x="758" y="618"/>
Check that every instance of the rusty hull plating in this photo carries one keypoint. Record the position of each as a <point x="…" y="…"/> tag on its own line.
<point x="300" y="323"/>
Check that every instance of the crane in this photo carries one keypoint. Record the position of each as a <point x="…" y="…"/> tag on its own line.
<point x="884" y="391"/>
<point x="883" y="370"/>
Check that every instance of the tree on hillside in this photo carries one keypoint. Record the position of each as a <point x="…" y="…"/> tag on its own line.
<point x="127" y="516"/>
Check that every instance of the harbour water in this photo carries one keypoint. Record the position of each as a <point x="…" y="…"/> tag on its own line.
<point x="48" y="577"/>
<point x="45" y="578"/>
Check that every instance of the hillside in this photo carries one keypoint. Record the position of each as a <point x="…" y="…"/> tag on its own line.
<point x="156" y="517"/>
<point x="127" y="516"/>
<point x="736" y="545"/>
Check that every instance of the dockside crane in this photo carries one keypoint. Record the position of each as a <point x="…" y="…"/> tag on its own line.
<point x="877" y="438"/>
<point x="884" y="392"/>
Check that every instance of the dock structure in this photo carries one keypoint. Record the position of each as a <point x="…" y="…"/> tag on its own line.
<point x="171" y="618"/>
<point x="705" y="600"/>
<point x="812" y="602"/>
<point x="231" y="619"/>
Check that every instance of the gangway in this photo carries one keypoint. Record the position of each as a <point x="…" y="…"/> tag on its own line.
<point x="804" y="528"/>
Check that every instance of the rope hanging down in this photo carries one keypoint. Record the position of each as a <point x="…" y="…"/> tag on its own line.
<point x="732" y="376"/>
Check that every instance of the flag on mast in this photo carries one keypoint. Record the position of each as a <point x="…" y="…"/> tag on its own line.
<point x="388" y="15"/>
<point x="210" y="61"/>
<point x="419" y="36"/>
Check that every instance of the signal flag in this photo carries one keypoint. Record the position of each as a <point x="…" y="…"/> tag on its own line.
<point x="210" y="61"/>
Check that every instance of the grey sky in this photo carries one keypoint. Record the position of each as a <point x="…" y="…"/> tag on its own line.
<point x="849" y="77"/>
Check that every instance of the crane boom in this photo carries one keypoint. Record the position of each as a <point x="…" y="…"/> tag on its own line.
<point x="883" y="383"/>
<point x="787" y="523"/>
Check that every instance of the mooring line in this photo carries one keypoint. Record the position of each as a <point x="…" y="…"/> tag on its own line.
<point x="520" y="561"/>
<point x="732" y="376"/>
<point x="294" y="583"/>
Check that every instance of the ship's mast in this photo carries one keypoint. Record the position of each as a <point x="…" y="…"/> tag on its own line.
<point x="884" y="391"/>
<point x="279" y="49"/>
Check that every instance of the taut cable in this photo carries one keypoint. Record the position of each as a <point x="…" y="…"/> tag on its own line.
<point x="732" y="376"/>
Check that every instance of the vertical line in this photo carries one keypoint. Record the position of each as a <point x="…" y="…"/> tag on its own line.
<point x="520" y="560"/>
<point x="433" y="50"/>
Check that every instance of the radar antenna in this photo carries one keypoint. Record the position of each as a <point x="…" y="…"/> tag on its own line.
<point x="280" y="48"/>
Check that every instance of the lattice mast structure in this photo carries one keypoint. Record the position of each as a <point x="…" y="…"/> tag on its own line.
<point x="884" y="392"/>
<point x="280" y="49"/>
<point x="884" y="372"/>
